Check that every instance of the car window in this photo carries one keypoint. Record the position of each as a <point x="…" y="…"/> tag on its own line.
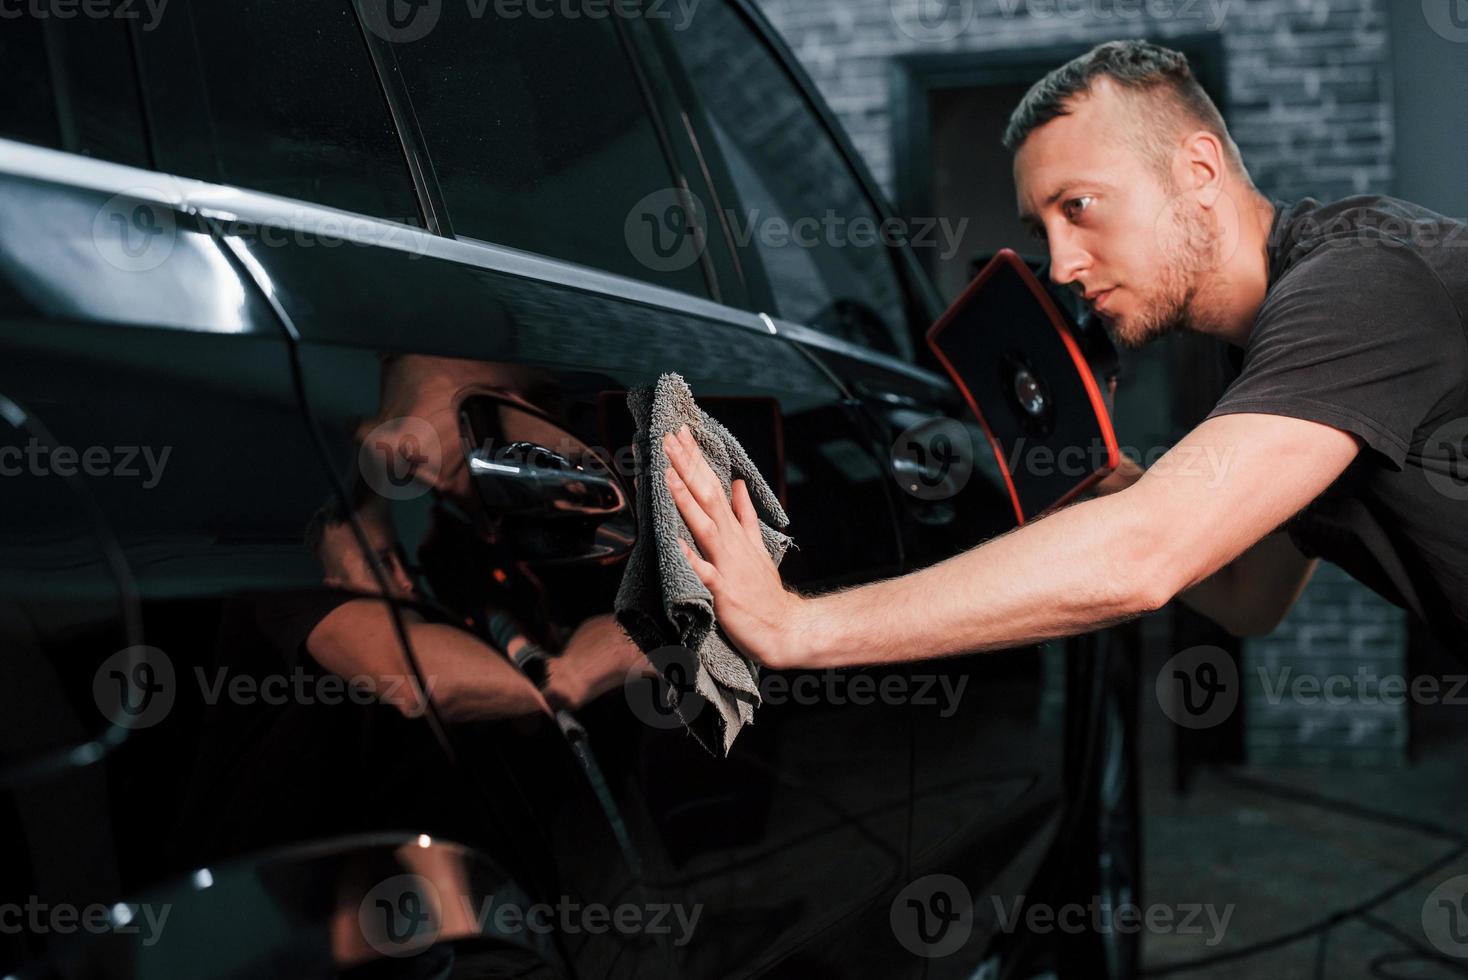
<point x="801" y="209"/>
<point x="277" y="96"/>
<point x="540" y="137"/>
<point x="71" y="85"/>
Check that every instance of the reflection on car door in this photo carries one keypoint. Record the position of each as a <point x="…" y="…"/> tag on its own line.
<point x="986" y="770"/>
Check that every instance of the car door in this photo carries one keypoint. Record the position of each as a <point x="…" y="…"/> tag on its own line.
<point x="808" y="230"/>
<point x="158" y="469"/>
<point x="540" y="302"/>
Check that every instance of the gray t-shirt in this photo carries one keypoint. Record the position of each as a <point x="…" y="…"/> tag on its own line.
<point x="1363" y="329"/>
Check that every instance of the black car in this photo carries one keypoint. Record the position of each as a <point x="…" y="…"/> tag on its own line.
<point x="289" y="294"/>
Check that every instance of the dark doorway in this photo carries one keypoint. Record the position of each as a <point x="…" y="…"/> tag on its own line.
<point x="948" y="113"/>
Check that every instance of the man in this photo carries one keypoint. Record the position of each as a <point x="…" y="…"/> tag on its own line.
<point x="1342" y="431"/>
<point x="313" y="756"/>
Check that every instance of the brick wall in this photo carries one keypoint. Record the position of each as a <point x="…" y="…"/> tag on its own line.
<point x="1308" y="80"/>
<point x="1310" y="105"/>
<point x="1319" y="689"/>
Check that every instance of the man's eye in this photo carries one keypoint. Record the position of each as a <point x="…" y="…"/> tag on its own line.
<point x="1076" y="205"/>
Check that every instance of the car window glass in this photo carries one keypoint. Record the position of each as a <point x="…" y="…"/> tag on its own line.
<point x="801" y="208"/>
<point x="71" y="86"/>
<point x="30" y="114"/>
<point x="276" y="96"/>
<point x="541" y="138"/>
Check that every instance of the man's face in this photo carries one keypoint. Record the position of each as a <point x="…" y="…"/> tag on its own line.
<point x="346" y="566"/>
<point x="1119" y="231"/>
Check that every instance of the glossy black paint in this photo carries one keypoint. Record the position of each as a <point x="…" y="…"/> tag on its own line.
<point x="271" y="344"/>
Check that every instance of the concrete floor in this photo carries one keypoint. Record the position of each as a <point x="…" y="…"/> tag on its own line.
<point x="1283" y="864"/>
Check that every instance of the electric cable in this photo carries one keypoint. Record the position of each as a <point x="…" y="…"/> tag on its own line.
<point x="1359" y="910"/>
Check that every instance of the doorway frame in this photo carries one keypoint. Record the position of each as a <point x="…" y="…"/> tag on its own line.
<point x="915" y="77"/>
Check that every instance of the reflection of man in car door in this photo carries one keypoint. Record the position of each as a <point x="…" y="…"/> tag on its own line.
<point x="467" y="679"/>
<point x="335" y="759"/>
<point x="1342" y="323"/>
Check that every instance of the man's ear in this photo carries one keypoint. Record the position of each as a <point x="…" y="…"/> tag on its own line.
<point x="1205" y="162"/>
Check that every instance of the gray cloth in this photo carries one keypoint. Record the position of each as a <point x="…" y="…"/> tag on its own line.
<point x="662" y="603"/>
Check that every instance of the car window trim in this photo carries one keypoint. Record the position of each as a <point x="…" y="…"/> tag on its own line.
<point x="222" y="202"/>
<point x="384" y="61"/>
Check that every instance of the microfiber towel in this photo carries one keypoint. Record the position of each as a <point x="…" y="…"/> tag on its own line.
<point x="662" y="603"/>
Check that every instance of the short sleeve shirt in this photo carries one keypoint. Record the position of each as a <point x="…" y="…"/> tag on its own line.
<point x="1363" y="329"/>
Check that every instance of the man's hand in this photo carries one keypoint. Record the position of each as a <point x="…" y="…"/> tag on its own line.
<point x="753" y="606"/>
<point x="598" y="658"/>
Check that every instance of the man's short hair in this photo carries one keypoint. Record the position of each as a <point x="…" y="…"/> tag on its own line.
<point x="1138" y="67"/>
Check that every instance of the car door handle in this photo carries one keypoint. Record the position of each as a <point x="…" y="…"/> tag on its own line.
<point x="553" y="508"/>
<point x="525" y="478"/>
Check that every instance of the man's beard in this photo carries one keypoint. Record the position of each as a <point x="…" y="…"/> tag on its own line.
<point x="1191" y="251"/>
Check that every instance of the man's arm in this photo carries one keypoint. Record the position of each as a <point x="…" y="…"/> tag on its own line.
<point x="467" y="679"/>
<point x="1230" y="482"/>
<point x="1250" y="595"/>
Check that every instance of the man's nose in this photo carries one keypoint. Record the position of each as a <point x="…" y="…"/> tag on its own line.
<point x="1067" y="260"/>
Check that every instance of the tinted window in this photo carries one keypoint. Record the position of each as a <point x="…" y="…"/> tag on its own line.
<point x="276" y="96"/>
<point x="70" y="85"/>
<point x="540" y="136"/>
<point x="801" y="208"/>
<point x="30" y="110"/>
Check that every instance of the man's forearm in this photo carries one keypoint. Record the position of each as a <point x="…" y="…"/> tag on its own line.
<point x="1087" y="566"/>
